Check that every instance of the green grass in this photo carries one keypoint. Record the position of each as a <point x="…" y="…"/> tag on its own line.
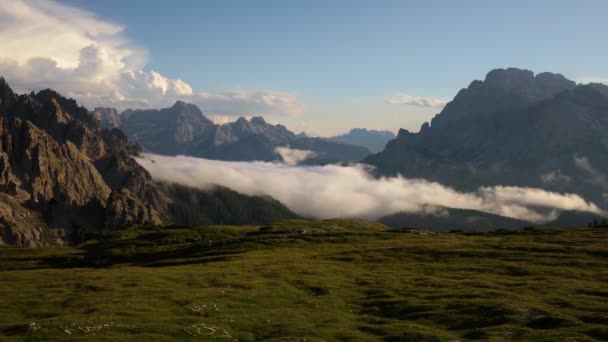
<point x="312" y="281"/>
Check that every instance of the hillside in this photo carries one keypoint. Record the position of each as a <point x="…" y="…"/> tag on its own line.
<point x="455" y="219"/>
<point x="219" y="205"/>
<point x="315" y="281"/>
<point x="513" y="128"/>
<point x="448" y="219"/>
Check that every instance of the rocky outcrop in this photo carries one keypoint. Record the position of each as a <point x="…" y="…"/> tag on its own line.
<point x="124" y="208"/>
<point x="120" y="171"/>
<point x="24" y="227"/>
<point x="44" y="169"/>
<point x="172" y="130"/>
<point x="60" y="172"/>
<point x="108" y="117"/>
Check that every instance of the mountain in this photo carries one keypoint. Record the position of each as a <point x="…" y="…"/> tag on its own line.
<point x="108" y="117"/>
<point x="446" y="219"/>
<point x="183" y="129"/>
<point x="373" y="140"/>
<point x="63" y="174"/>
<point x="174" y="130"/>
<point x="514" y="128"/>
<point x="60" y="172"/>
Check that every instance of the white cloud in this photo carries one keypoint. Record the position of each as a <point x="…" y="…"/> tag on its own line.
<point x="46" y="44"/>
<point x="239" y="102"/>
<point x="405" y="99"/>
<point x="555" y="177"/>
<point x="222" y="119"/>
<point x="337" y="191"/>
<point x="595" y="176"/>
<point x="292" y="156"/>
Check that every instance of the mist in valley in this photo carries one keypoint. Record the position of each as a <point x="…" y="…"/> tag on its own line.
<point x="330" y="191"/>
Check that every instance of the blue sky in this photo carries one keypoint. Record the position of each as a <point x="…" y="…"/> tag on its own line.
<point x="344" y="59"/>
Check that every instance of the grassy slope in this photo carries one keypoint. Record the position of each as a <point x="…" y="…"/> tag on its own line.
<point x="333" y="280"/>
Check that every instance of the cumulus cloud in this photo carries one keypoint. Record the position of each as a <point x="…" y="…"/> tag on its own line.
<point x="294" y="156"/>
<point x="46" y="44"/>
<point x="405" y="99"/>
<point x="339" y="191"/>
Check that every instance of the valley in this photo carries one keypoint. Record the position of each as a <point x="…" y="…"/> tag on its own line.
<point x="303" y="171"/>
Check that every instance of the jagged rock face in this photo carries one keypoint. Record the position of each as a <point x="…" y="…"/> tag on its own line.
<point x="242" y="128"/>
<point x="24" y="227"/>
<point x="124" y="208"/>
<point x="120" y="171"/>
<point x="44" y="169"/>
<point x="183" y="129"/>
<point x="59" y="167"/>
<point x="514" y="128"/>
<point x="167" y="131"/>
<point x="108" y="117"/>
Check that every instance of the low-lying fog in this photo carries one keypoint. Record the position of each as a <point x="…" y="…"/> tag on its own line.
<point x="349" y="191"/>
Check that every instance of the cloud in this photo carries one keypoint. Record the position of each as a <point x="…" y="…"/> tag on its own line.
<point x="46" y="44"/>
<point x="238" y="102"/>
<point x="405" y="99"/>
<point x="555" y="177"/>
<point x="222" y="119"/>
<point x="595" y="176"/>
<point x="339" y="191"/>
<point x="294" y="156"/>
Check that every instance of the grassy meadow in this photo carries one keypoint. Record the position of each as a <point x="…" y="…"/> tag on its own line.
<point x="332" y="280"/>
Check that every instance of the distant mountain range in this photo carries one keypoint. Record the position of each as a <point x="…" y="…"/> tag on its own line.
<point x="184" y="129"/>
<point x="513" y="128"/>
<point x="373" y="140"/>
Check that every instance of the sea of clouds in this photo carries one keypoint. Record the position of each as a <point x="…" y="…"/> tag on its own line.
<point x="351" y="192"/>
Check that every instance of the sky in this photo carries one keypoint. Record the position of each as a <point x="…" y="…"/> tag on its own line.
<point x="319" y="66"/>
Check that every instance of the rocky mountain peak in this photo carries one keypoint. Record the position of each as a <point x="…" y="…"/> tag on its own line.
<point x="258" y="121"/>
<point x="403" y="132"/>
<point x="513" y="128"/>
<point x="184" y="107"/>
<point x="7" y="95"/>
<point x="108" y="117"/>
<point x="523" y="81"/>
<point x="510" y="77"/>
<point x="59" y="166"/>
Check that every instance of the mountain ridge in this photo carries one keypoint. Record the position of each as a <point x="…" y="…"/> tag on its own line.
<point x="184" y="129"/>
<point x="513" y="128"/>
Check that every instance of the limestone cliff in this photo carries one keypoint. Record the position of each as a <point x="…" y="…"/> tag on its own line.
<point x="61" y="172"/>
